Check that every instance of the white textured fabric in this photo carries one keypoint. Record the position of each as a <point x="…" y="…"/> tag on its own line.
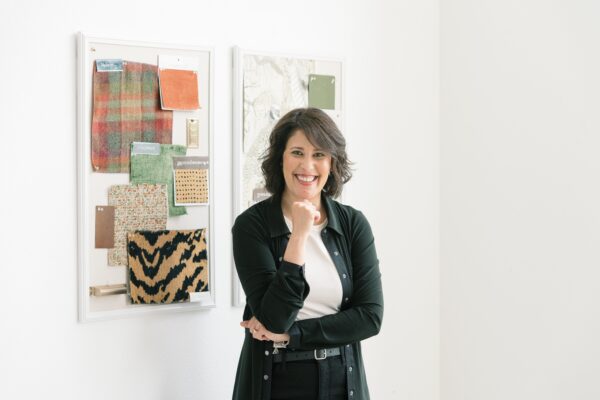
<point x="325" y="296"/>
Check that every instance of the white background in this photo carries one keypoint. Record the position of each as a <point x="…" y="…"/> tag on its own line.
<point x="391" y="51"/>
<point x="520" y="200"/>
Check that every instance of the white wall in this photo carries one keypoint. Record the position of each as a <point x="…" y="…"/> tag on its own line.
<point x="391" y="49"/>
<point x="520" y="298"/>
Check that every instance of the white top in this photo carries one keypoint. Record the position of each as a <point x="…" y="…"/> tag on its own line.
<point x="325" y="296"/>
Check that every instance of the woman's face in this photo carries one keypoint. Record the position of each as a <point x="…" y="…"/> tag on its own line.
<point x="305" y="168"/>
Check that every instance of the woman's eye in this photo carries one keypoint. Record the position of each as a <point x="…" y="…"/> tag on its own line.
<point x="319" y="155"/>
<point x="296" y="152"/>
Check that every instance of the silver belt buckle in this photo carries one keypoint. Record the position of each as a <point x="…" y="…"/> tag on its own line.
<point x="320" y="351"/>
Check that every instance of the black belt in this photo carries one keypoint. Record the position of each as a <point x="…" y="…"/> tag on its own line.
<point x="317" y="354"/>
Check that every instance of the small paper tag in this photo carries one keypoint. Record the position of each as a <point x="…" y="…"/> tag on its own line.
<point x="152" y="149"/>
<point x="195" y="297"/>
<point x="188" y="63"/>
<point x="109" y="65"/>
<point x="190" y="163"/>
<point x="259" y="194"/>
<point x="193" y="133"/>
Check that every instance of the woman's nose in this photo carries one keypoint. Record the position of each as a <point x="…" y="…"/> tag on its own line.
<point x="308" y="163"/>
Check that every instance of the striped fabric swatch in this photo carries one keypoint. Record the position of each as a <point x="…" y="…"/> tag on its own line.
<point x="165" y="266"/>
<point x="136" y="207"/>
<point x="126" y="108"/>
<point x="148" y="168"/>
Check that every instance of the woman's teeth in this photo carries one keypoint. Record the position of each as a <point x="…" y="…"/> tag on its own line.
<point x="305" y="178"/>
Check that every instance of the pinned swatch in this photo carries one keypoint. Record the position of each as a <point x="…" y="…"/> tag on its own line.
<point x="136" y="207"/>
<point x="178" y="80"/>
<point x="126" y="108"/>
<point x="152" y="167"/>
<point x="191" y="180"/>
<point x="178" y="89"/>
<point x="166" y="266"/>
<point x="321" y="91"/>
<point x="105" y="227"/>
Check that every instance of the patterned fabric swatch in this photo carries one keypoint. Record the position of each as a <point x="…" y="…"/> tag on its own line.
<point x="165" y="266"/>
<point x="191" y="186"/>
<point x="147" y="168"/>
<point x="136" y="207"/>
<point x="126" y="108"/>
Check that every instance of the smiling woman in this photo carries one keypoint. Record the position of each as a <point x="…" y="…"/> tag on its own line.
<point x="305" y="171"/>
<point x="320" y="133"/>
<point x="309" y="269"/>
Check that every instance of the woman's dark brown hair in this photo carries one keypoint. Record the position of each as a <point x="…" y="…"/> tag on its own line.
<point x="321" y="132"/>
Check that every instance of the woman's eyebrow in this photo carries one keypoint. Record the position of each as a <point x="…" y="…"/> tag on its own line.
<point x="302" y="148"/>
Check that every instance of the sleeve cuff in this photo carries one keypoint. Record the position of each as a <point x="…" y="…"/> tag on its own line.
<point x="292" y="268"/>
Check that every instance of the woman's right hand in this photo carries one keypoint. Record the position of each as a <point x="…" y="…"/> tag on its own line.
<point x="304" y="215"/>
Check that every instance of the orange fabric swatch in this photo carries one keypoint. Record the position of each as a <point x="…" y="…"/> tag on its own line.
<point x="178" y="89"/>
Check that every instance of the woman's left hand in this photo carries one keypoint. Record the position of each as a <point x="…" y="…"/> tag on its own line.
<point x="259" y="332"/>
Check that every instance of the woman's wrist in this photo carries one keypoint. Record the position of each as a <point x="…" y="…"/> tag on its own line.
<point x="294" y="252"/>
<point x="299" y="237"/>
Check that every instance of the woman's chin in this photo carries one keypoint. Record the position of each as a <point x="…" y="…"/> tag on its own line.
<point x="307" y="194"/>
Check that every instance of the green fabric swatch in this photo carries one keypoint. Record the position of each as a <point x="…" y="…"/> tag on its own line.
<point x="146" y="168"/>
<point x="321" y="91"/>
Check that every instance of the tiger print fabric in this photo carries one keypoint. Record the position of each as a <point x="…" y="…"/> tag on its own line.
<point x="165" y="266"/>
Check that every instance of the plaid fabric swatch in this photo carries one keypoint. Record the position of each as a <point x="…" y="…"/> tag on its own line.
<point x="165" y="266"/>
<point x="146" y="168"/>
<point x="191" y="186"/>
<point x="136" y="207"/>
<point x="126" y="108"/>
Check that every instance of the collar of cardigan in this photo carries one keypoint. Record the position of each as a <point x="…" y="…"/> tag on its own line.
<point x="278" y="227"/>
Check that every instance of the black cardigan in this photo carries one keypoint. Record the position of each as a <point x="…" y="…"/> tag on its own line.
<point x="276" y="289"/>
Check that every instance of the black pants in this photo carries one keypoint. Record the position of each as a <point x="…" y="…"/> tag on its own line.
<point x="309" y="380"/>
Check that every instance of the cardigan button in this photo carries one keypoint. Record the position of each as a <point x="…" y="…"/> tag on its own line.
<point x="266" y="378"/>
<point x="344" y="276"/>
<point x="335" y="253"/>
<point x="347" y="346"/>
<point x="349" y="369"/>
<point x="352" y="393"/>
<point x="346" y="299"/>
<point x="325" y="231"/>
<point x="267" y="353"/>
<point x="280" y="258"/>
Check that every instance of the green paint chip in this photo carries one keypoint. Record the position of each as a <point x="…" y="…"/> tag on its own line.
<point x="321" y="91"/>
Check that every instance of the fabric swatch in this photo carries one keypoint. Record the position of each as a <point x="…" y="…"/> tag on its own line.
<point x="178" y="89"/>
<point x="165" y="266"/>
<point x="136" y="207"/>
<point x="105" y="227"/>
<point x="321" y="91"/>
<point x="158" y="169"/>
<point x="126" y="108"/>
<point x="191" y="186"/>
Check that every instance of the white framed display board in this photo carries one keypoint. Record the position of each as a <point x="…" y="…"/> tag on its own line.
<point x="265" y="87"/>
<point x="104" y="287"/>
